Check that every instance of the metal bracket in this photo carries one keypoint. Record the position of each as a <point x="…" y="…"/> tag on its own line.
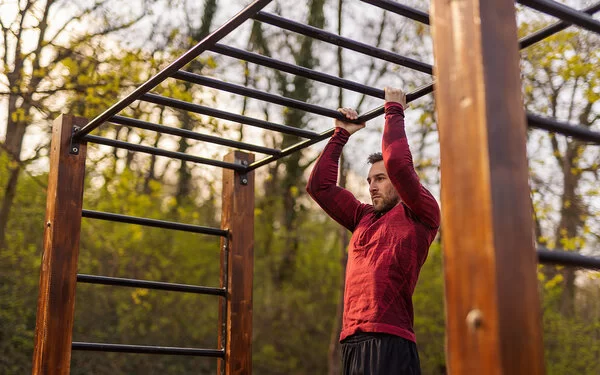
<point x="244" y="174"/>
<point x="75" y="145"/>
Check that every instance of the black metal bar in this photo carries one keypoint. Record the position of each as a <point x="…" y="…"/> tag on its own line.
<point x="145" y="284"/>
<point x="341" y="41"/>
<point x="191" y="54"/>
<point x="553" y="125"/>
<point x="290" y="150"/>
<point x="160" y="152"/>
<point x="128" y="121"/>
<point x="422" y="91"/>
<point x="109" y="216"/>
<point x="401" y="9"/>
<point x="297" y="70"/>
<point x="565" y="258"/>
<point x="552" y="29"/>
<point x="144" y="349"/>
<point x="256" y="94"/>
<point x="565" y="13"/>
<point x="162" y="100"/>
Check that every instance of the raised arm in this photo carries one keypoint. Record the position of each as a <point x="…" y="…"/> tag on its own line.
<point x="399" y="164"/>
<point x="340" y="204"/>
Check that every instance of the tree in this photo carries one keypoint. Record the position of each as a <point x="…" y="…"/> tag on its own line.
<point x="561" y="80"/>
<point x="33" y="51"/>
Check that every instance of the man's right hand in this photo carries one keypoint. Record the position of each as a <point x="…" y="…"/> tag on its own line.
<point x="350" y="114"/>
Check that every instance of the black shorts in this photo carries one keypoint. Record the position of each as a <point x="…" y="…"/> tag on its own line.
<point x="368" y="353"/>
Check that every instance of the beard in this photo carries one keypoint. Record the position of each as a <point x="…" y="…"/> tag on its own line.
<point x="384" y="204"/>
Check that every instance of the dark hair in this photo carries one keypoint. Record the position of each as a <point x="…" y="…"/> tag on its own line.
<point x="375" y="157"/>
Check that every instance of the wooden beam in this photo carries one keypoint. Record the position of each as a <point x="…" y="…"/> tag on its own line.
<point x="237" y="257"/>
<point x="492" y="304"/>
<point x="58" y="275"/>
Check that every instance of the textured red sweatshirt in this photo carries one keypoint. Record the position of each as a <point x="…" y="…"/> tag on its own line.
<point x="386" y="252"/>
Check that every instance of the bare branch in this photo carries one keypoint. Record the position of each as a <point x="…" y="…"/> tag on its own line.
<point x="43" y="27"/>
<point x="18" y="53"/>
<point x="78" y="17"/>
<point x="5" y="37"/>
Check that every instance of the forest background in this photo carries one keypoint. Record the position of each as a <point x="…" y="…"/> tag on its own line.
<point x="80" y="57"/>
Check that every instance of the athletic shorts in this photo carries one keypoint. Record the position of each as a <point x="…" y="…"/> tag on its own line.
<point x="368" y="353"/>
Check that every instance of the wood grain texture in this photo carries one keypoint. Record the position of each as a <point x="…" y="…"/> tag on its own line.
<point x="492" y="304"/>
<point x="58" y="275"/>
<point x="238" y="218"/>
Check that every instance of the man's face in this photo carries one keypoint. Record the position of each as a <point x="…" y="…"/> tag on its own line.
<point x="383" y="194"/>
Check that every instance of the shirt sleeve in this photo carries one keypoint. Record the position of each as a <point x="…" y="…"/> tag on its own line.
<point x="399" y="166"/>
<point x="340" y="204"/>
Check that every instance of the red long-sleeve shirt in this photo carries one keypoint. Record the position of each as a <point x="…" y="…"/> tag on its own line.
<point x="386" y="252"/>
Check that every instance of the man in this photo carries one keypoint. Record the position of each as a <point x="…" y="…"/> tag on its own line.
<point x="389" y="244"/>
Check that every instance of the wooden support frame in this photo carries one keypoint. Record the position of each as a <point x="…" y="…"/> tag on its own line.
<point x="237" y="267"/>
<point x="58" y="275"/>
<point x="492" y="302"/>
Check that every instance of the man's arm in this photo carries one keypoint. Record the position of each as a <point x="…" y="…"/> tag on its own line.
<point x="338" y="203"/>
<point x="399" y="164"/>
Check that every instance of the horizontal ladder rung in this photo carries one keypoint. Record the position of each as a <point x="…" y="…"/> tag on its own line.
<point x="144" y="349"/>
<point x="224" y="115"/>
<point x="553" y="125"/>
<point x="344" y="42"/>
<point x="146" y="284"/>
<point x="108" y="216"/>
<point x="567" y="258"/>
<point x="188" y="134"/>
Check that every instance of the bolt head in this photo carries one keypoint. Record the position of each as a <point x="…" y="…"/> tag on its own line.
<point x="475" y="319"/>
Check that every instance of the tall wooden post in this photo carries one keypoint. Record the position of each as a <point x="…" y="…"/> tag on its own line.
<point x="58" y="275"/>
<point x="238" y="218"/>
<point x="492" y="303"/>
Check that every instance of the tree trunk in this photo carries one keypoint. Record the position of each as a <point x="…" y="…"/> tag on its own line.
<point x="293" y="181"/>
<point x="7" y="201"/>
<point x="15" y="132"/>
<point x="570" y="223"/>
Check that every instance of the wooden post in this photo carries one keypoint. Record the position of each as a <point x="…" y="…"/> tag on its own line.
<point x="58" y="275"/>
<point x="492" y="304"/>
<point x="238" y="218"/>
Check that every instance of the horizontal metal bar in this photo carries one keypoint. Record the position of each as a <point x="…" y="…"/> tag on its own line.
<point x="290" y="150"/>
<point x="161" y="152"/>
<point x="401" y="9"/>
<point x="128" y="121"/>
<point x="565" y="13"/>
<point x="422" y="91"/>
<point x="109" y="216"/>
<point x="256" y="94"/>
<point x="341" y="41"/>
<point x="553" y="125"/>
<point x="297" y="70"/>
<point x="145" y="284"/>
<point x="191" y="54"/>
<point x="162" y="100"/>
<point x="552" y="29"/>
<point x="144" y="349"/>
<point x="566" y="258"/>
